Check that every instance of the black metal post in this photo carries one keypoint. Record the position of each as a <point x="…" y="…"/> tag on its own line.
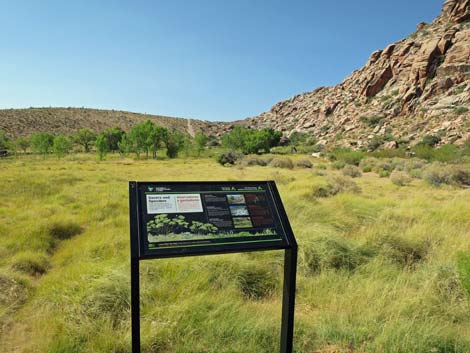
<point x="288" y="299"/>
<point x="135" y="281"/>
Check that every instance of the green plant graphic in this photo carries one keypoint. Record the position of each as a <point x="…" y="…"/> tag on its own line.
<point x="162" y="225"/>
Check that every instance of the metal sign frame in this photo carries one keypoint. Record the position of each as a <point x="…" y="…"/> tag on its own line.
<point x="289" y="246"/>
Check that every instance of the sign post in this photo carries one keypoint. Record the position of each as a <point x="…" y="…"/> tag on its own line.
<point x="175" y="219"/>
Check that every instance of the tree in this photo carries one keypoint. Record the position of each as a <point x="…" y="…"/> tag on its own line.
<point x="114" y="136"/>
<point x="85" y="138"/>
<point x="102" y="145"/>
<point x="201" y="141"/>
<point x="42" y="142"/>
<point x="4" y="141"/>
<point x="23" y="143"/>
<point x="174" y="143"/>
<point x="61" y="145"/>
<point x="251" y="140"/>
<point x="141" y="137"/>
<point x="157" y="137"/>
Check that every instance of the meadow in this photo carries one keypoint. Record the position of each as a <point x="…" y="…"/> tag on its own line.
<point x="382" y="267"/>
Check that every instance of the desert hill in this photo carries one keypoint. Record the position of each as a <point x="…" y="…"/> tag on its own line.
<point x="21" y="122"/>
<point x="417" y="86"/>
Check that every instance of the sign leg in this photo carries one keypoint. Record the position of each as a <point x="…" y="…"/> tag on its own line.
<point x="288" y="300"/>
<point x="135" y="306"/>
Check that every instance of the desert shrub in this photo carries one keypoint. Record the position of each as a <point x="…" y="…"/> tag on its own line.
<point x="322" y="191"/>
<point x="282" y="163"/>
<point x="416" y="173"/>
<point x="400" y="250"/>
<point x="228" y="158"/>
<point x="430" y="140"/>
<point x="256" y="161"/>
<point x="371" y="121"/>
<point x="352" y="171"/>
<point x="366" y="169"/>
<point x="329" y="253"/>
<point x="372" y="162"/>
<point x="338" y="165"/>
<point x="335" y="185"/>
<point x="64" y="230"/>
<point x="436" y="175"/>
<point x="384" y="173"/>
<point x="413" y="164"/>
<point x="347" y="156"/>
<point x="461" y="176"/>
<point x="398" y="164"/>
<point x="321" y="166"/>
<point x="385" y="166"/>
<point x="400" y="178"/>
<point x="31" y="263"/>
<point x="304" y="163"/>
<point x="463" y="267"/>
<point x="256" y="281"/>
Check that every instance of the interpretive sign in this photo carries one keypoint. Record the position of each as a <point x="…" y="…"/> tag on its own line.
<point x="172" y="219"/>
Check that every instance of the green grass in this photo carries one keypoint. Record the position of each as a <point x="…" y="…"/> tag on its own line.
<point x="383" y="270"/>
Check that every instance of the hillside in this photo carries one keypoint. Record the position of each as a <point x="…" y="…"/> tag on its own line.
<point x="21" y="122"/>
<point x="417" y="86"/>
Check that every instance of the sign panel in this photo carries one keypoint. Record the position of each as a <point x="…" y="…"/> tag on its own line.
<point x="204" y="217"/>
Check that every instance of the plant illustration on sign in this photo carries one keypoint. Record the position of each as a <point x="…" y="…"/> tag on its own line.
<point x="162" y="225"/>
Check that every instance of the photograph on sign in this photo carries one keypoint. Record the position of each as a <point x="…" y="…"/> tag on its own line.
<point x="178" y="215"/>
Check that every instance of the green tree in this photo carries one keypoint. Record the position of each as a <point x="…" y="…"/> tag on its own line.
<point x="85" y="137"/>
<point x="4" y="141"/>
<point x="200" y="141"/>
<point x="125" y="145"/>
<point x="114" y="136"/>
<point x="102" y="145"/>
<point x="23" y="143"/>
<point x="174" y="143"/>
<point x="141" y="137"/>
<point x="251" y="140"/>
<point x="61" y="145"/>
<point x="158" y="135"/>
<point x="42" y="142"/>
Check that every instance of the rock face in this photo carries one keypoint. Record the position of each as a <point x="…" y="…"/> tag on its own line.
<point x="415" y="87"/>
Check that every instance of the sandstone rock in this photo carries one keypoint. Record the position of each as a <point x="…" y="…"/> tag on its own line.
<point x="378" y="82"/>
<point x="391" y="145"/>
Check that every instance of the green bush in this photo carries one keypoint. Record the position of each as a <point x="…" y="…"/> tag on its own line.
<point x="416" y="173"/>
<point x="371" y="121"/>
<point x="383" y="173"/>
<point x="347" y="156"/>
<point x="338" y="165"/>
<point x="304" y="163"/>
<point x="400" y="178"/>
<point x="282" y="163"/>
<point x="366" y="169"/>
<point x="352" y="171"/>
<point x="228" y="158"/>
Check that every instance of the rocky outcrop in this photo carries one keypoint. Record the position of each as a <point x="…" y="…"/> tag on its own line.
<point x="405" y="91"/>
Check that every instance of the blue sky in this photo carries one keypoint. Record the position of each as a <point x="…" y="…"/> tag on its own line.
<point x="211" y="60"/>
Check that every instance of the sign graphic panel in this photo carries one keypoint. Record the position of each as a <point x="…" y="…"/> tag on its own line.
<point x="200" y="216"/>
